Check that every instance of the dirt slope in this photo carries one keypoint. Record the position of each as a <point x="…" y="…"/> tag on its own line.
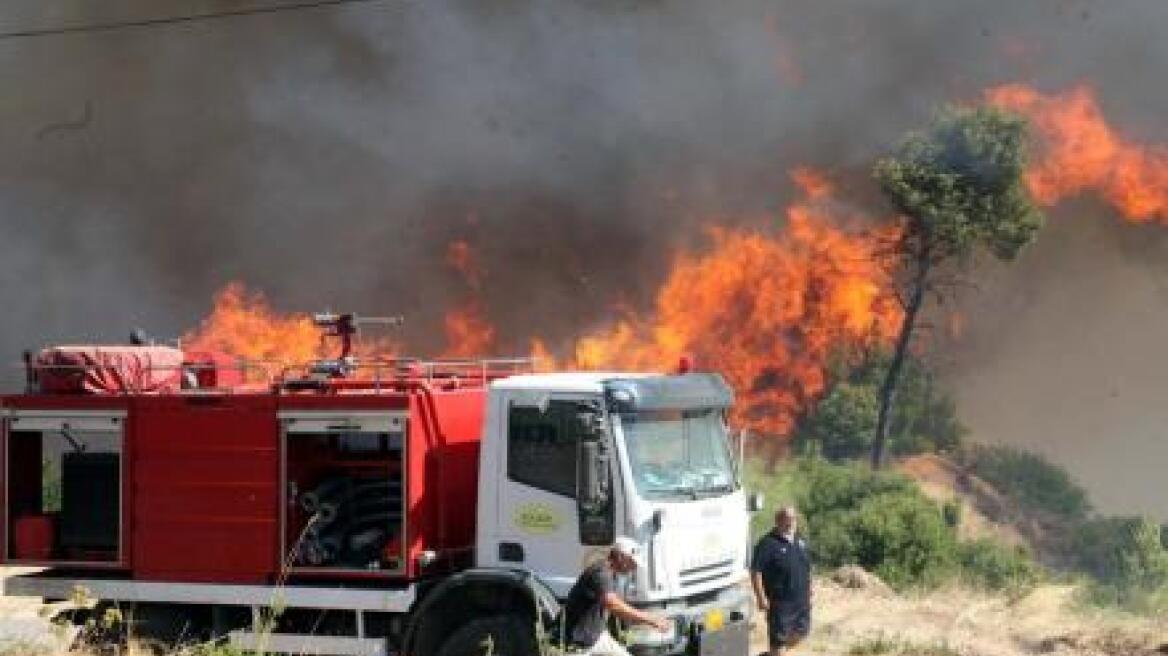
<point x="984" y="511"/>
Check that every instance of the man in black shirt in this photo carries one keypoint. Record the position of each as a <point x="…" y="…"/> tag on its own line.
<point x="781" y="577"/>
<point x="592" y="598"/>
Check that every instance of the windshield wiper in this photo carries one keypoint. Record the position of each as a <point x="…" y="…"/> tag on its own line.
<point x="725" y="488"/>
<point x="690" y="492"/>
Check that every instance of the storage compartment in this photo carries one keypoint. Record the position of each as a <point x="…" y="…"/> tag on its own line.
<point x="205" y="495"/>
<point x="64" y="486"/>
<point x="90" y="485"/>
<point x="343" y="506"/>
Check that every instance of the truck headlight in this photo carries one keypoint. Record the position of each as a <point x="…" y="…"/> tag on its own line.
<point x="647" y="636"/>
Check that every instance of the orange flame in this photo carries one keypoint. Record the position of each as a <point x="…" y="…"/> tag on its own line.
<point x="1080" y="152"/>
<point x="244" y="326"/>
<point x="813" y="183"/>
<point x="765" y="310"/>
<point x="468" y="332"/>
<point x="542" y="356"/>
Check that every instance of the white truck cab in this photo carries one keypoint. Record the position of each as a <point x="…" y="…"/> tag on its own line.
<point x="571" y="460"/>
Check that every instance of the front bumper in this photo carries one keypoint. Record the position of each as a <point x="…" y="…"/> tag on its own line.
<point x="720" y="627"/>
<point x="731" y="640"/>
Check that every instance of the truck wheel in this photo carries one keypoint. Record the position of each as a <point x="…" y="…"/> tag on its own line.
<point x="499" y="635"/>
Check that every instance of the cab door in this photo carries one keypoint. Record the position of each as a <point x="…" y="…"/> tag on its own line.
<point x="550" y="522"/>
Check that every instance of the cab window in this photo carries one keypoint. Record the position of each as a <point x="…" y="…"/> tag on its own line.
<point x="541" y="447"/>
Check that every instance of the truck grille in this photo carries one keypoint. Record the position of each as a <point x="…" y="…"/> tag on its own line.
<point x="698" y="575"/>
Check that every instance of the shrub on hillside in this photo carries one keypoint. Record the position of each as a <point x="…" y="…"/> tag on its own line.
<point x="823" y="486"/>
<point x="1126" y="557"/>
<point x="843" y="423"/>
<point x="877" y="520"/>
<point x="1030" y="480"/>
<point x="988" y="564"/>
<point x="882" y="522"/>
<point x="778" y="488"/>
<point x="903" y="538"/>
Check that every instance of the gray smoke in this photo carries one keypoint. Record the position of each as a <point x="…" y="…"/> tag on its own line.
<point x="1065" y="356"/>
<point x="327" y="157"/>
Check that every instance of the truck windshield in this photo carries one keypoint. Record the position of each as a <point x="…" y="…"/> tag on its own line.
<point x="678" y="453"/>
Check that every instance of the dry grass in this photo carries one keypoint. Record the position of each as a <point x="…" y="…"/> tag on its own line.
<point x="873" y="621"/>
<point x="961" y="622"/>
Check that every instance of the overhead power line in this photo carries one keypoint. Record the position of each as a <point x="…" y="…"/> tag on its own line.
<point x="171" y="20"/>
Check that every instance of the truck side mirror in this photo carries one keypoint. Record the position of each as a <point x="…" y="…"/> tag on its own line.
<point x="754" y="501"/>
<point x="593" y="498"/>
<point x="590" y="422"/>
<point x="593" y="488"/>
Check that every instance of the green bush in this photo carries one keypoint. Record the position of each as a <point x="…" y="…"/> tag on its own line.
<point x="877" y="520"/>
<point x="844" y="421"/>
<point x="821" y="486"/>
<point x="924" y="419"/>
<point x="1125" y="556"/>
<point x="1030" y="480"/>
<point x="882" y="522"/>
<point x="993" y="566"/>
<point x="777" y="487"/>
<point x="903" y="538"/>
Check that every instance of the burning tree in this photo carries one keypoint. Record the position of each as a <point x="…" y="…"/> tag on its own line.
<point x="959" y="187"/>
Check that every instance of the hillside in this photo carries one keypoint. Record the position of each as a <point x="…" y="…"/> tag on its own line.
<point x="984" y="511"/>
<point x="890" y="521"/>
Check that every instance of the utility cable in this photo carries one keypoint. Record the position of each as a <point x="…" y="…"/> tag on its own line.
<point x="171" y="20"/>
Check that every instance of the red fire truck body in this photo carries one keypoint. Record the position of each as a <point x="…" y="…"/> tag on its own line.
<point x="412" y="495"/>
<point x="200" y="492"/>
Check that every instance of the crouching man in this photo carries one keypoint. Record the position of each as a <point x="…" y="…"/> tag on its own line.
<point x="593" y="597"/>
<point x="781" y="578"/>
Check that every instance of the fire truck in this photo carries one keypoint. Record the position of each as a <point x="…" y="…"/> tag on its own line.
<point x="371" y="506"/>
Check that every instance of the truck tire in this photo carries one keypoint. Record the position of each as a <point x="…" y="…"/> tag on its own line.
<point x="498" y="635"/>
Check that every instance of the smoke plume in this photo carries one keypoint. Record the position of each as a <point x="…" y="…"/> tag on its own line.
<point x="329" y="157"/>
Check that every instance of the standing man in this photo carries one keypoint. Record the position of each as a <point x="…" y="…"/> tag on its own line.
<point x="781" y="577"/>
<point x="593" y="597"/>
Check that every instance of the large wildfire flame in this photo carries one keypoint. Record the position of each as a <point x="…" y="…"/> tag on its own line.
<point x="766" y="309"/>
<point x="1079" y="151"/>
